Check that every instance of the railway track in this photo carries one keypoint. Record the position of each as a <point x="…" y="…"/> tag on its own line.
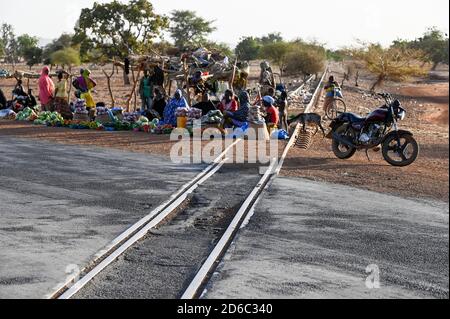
<point x="200" y="222"/>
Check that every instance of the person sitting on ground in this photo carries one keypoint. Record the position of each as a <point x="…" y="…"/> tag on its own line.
<point x="206" y="105"/>
<point x="239" y="117"/>
<point x="62" y="98"/>
<point x="178" y="101"/>
<point x="146" y="91"/>
<point x="330" y="88"/>
<point x="3" y="100"/>
<point x="228" y="102"/>
<point x="273" y="116"/>
<point x="159" y="102"/>
<point x="46" y="90"/>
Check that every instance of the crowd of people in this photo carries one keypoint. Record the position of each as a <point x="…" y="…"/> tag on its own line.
<point x="54" y="96"/>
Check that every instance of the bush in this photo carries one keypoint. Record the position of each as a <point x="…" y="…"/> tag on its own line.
<point x="304" y="60"/>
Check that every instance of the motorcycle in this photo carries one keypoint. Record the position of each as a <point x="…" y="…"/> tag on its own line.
<point x="350" y="133"/>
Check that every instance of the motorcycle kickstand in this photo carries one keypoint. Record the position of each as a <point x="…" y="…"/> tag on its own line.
<point x="367" y="154"/>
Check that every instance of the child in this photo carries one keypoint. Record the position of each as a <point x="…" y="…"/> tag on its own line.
<point x="61" y="98"/>
<point x="273" y="116"/>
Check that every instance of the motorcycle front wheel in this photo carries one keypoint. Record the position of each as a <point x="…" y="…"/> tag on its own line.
<point x="341" y="150"/>
<point x="401" y="152"/>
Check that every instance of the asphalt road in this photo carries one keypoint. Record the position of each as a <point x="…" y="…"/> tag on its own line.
<point x="315" y="240"/>
<point x="60" y="205"/>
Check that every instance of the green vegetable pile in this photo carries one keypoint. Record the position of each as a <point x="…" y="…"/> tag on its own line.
<point x="49" y="118"/>
<point x="26" y="115"/>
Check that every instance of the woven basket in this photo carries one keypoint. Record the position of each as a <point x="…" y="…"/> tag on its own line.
<point x="81" y="118"/>
<point x="104" y="118"/>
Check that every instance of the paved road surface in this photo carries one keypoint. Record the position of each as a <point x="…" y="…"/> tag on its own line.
<point x="314" y="240"/>
<point x="59" y="205"/>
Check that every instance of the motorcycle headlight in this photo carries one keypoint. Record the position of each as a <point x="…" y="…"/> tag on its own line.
<point x="402" y="115"/>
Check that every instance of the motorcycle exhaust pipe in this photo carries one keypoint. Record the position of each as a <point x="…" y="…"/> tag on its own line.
<point x="344" y="141"/>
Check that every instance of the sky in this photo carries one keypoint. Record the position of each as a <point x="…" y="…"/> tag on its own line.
<point x="335" y="23"/>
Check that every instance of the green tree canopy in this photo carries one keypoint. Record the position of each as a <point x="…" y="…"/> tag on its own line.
<point x="33" y="56"/>
<point x="276" y="52"/>
<point x="118" y="29"/>
<point x="189" y="30"/>
<point x="248" y="48"/>
<point x="67" y="57"/>
<point x="24" y="43"/>
<point x="393" y="63"/>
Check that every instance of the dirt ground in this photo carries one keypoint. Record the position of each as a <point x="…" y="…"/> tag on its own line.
<point x="425" y="100"/>
<point x="427" y="105"/>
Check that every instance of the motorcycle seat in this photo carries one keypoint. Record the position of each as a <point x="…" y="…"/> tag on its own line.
<point x="353" y="118"/>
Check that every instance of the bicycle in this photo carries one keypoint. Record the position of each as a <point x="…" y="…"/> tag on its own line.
<point x="337" y="106"/>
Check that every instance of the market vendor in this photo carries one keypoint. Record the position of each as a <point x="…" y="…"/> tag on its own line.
<point x="85" y="84"/>
<point x="273" y="116"/>
<point x="18" y="89"/>
<point x="146" y="91"/>
<point x="62" y="97"/>
<point x="178" y="101"/>
<point x="46" y="90"/>
<point x="228" y="102"/>
<point x="159" y="102"/>
<point x="239" y="117"/>
<point x="206" y="105"/>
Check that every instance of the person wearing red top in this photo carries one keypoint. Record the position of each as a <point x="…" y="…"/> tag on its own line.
<point x="228" y="103"/>
<point x="273" y="116"/>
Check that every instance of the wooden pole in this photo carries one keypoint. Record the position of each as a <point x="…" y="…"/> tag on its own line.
<point x="186" y="79"/>
<point x="233" y="76"/>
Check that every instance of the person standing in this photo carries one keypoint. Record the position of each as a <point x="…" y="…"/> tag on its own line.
<point x="46" y="90"/>
<point x="62" y="98"/>
<point x="159" y="102"/>
<point x="146" y="91"/>
<point x="330" y="89"/>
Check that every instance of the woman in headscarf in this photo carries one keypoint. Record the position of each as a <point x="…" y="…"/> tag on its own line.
<point x="239" y="117"/>
<point x="46" y="90"/>
<point x="86" y="84"/>
<point x="178" y="101"/>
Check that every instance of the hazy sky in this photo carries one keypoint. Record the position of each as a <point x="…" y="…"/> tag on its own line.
<point x="337" y="23"/>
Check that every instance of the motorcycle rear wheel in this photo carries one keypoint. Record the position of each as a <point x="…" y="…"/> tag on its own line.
<point x="400" y="155"/>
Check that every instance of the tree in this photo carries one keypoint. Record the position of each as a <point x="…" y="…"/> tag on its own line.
<point x="25" y="43"/>
<point x="248" y="48"/>
<point x="9" y="43"/>
<point x="305" y="59"/>
<point x="63" y="42"/>
<point x="33" y="56"/>
<point x="394" y="63"/>
<point x="118" y="30"/>
<point x="189" y="30"/>
<point x="271" y="38"/>
<point x="435" y="44"/>
<point x="276" y="52"/>
<point x="66" y="57"/>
